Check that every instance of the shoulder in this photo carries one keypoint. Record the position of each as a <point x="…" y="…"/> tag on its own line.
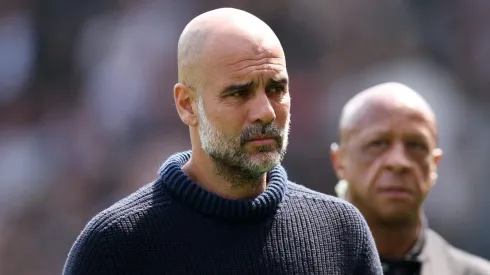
<point x="333" y="207"/>
<point x="346" y="226"/>
<point x="93" y="250"/>
<point x="304" y="193"/>
<point x="130" y="210"/>
<point x="462" y="260"/>
<point x="469" y="263"/>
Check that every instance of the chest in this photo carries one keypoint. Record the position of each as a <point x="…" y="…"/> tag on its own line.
<point x="207" y="246"/>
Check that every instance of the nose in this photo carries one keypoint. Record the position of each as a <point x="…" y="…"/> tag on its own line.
<point x="396" y="159"/>
<point x="261" y="110"/>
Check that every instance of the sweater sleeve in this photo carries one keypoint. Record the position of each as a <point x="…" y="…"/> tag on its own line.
<point x="368" y="261"/>
<point x="90" y="254"/>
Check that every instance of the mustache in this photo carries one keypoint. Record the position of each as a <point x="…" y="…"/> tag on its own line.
<point x="269" y="129"/>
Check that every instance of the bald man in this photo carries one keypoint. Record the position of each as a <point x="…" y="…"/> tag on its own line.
<point x="227" y="206"/>
<point x="387" y="163"/>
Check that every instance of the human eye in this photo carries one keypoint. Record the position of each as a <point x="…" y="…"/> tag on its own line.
<point x="379" y="143"/>
<point x="239" y="93"/>
<point x="277" y="89"/>
<point x="417" y="145"/>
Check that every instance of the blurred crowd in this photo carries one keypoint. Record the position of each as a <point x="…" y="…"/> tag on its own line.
<point x="87" y="113"/>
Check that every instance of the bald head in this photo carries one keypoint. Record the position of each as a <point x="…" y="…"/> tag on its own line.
<point x="379" y="101"/>
<point x="215" y="33"/>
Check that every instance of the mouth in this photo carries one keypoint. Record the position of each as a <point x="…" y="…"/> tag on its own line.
<point x="263" y="140"/>
<point x="396" y="193"/>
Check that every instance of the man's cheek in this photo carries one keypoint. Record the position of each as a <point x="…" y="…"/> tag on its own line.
<point x="373" y="171"/>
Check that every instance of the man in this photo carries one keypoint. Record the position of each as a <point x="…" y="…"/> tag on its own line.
<point x="387" y="162"/>
<point x="227" y="207"/>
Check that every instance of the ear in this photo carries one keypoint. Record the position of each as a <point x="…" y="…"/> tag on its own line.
<point x="336" y="158"/>
<point x="437" y="155"/>
<point x="184" y="99"/>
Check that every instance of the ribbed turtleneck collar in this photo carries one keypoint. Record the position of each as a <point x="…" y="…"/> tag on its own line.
<point x="178" y="184"/>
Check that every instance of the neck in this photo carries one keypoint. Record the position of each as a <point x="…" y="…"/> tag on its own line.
<point x="224" y="181"/>
<point x="394" y="241"/>
<point x="178" y="185"/>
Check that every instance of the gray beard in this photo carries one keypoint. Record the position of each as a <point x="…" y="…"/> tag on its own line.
<point x="237" y="176"/>
<point x="229" y="156"/>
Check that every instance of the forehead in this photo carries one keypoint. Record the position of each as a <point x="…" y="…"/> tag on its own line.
<point x="394" y="121"/>
<point x="244" y="60"/>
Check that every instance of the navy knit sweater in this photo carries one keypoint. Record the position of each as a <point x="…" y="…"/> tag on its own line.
<point x="173" y="226"/>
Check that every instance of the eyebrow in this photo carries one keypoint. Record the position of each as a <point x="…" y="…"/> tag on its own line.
<point x="236" y="87"/>
<point x="384" y="133"/>
<point x="278" y="81"/>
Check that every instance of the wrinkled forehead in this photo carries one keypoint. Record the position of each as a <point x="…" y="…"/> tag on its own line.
<point x="230" y="56"/>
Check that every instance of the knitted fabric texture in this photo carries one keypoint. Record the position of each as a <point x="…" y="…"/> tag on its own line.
<point x="173" y="226"/>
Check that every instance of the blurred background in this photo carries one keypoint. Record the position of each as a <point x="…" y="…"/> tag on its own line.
<point x="87" y="113"/>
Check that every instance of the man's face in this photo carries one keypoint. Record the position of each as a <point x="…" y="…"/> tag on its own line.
<point x="244" y="112"/>
<point x="390" y="160"/>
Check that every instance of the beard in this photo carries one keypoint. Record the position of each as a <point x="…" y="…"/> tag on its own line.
<point x="231" y="159"/>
